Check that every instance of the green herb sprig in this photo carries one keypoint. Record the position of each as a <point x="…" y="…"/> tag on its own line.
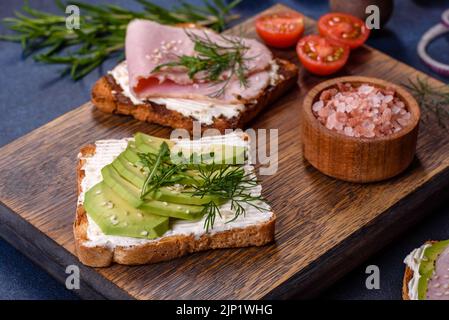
<point x="102" y="30"/>
<point x="214" y="62"/>
<point x="161" y="171"/>
<point x="225" y="181"/>
<point x="433" y="99"/>
<point x="228" y="182"/>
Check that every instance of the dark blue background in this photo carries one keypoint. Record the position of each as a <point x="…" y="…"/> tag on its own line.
<point x="32" y="94"/>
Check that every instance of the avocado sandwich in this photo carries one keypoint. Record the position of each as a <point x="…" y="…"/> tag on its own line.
<point x="427" y="272"/>
<point x="145" y="199"/>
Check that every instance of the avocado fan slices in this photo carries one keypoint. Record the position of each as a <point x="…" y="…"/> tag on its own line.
<point x="142" y="189"/>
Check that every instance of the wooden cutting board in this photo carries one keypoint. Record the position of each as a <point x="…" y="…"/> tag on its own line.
<point x="324" y="229"/>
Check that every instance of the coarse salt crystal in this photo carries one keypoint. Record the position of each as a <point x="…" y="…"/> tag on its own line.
<point x="317" y="106"/>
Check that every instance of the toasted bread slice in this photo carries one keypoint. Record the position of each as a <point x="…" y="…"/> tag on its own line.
<point x="107" y="96"/>
<point x="164" y="248"/>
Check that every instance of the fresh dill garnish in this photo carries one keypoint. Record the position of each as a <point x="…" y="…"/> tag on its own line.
<point x="214" y="62"/>
<point x="433" y="99"/>
<point x="161" y="171"/>
<point x="224" y="181"/>
<point x="228" y="182"/>
<point x="102" y="30"/>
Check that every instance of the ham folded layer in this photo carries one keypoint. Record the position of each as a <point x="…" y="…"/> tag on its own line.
<point x="149" y="44"/>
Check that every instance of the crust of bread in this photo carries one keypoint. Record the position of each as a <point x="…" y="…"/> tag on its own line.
<point x="107" y="96"/>
<point x="166" y="248"/>
<point x="408" y="275"/>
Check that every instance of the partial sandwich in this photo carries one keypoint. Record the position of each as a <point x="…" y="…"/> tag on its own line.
<point x="427" y="272"/>
<point x="146" y="199"/>
<point x="173" y="76"/>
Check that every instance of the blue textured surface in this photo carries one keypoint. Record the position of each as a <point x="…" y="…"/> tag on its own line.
<point x="32" y="94"/>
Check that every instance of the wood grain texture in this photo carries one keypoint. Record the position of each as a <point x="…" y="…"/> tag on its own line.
<point x="358" y="159"/>
<point x="325" y="227"/>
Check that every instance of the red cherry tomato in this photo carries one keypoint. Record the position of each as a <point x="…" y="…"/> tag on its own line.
<point x="280" y="30"/>
<point x="344" y="28"/>
<point x="320" y="55"/>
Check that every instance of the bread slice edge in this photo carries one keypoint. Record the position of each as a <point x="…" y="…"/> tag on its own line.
<point x="165" y="248"/>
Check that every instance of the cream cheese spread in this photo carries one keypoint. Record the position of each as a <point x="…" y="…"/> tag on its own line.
<point x="108" y="150"/>
<point x="413" y="261"/>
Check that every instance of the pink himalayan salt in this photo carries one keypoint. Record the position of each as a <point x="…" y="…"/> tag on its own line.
<point x="364" y="111"/>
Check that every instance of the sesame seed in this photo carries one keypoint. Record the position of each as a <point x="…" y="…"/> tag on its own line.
<point x="178" y="207"/>
<point x="114" y="220"/>
<point x="104" y="203"/>
<point x="98" y="192"/>
<point x="445" y="286"/>
<point x="436" y="285"/>
<point x="147" y="56"/>
<point x="156" y="50"/>
<point x="139" y="214"/>
<point x="438" y="294"/>
<point x="163" y="42"/>
<point x="165" y="203"/>
<point x="187" y="211"/>
<point x="125" y="224"/>
<point x="109" y="205"/>
<point x="446" y="293"/>
<point x="144" y="233"/>
<point x="179" y="41"/>
<point x="446" y="276"/>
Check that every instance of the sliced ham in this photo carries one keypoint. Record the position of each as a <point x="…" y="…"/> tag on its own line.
<point x="149" y="44"/>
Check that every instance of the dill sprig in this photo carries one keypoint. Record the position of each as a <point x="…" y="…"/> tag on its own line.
<point x="161" y="171"/>
<point x="228" y="182"/>
<point x="102" y="30"/>
<point x="214" y="62"/>
<point x="433" y="99"/>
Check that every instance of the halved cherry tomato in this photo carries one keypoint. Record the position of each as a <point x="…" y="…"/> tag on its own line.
<point x="280" y="30"/>
<point x="320" y="55"/>
<point x="343" y="28"/>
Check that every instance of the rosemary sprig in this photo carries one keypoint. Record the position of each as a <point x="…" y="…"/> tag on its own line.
<point x="228" y="182"/>
<point x="433" y="99"/>
<point x="101" y="36"/>
<point x="214" y="62"/>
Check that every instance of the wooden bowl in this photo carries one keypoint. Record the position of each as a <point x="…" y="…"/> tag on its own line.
<point x="358" y="159"/>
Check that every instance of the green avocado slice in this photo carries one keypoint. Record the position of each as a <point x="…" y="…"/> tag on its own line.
<point x="130" y="153"/>
<point x="174" y="210"/>
<point x="131" y="194"/>
<point x="427" y="266"/>
<point x="124" y="188"/>
<point x="116" y="217"/>
<point x="215" y="154"/>
<point x="150" y="142"/>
